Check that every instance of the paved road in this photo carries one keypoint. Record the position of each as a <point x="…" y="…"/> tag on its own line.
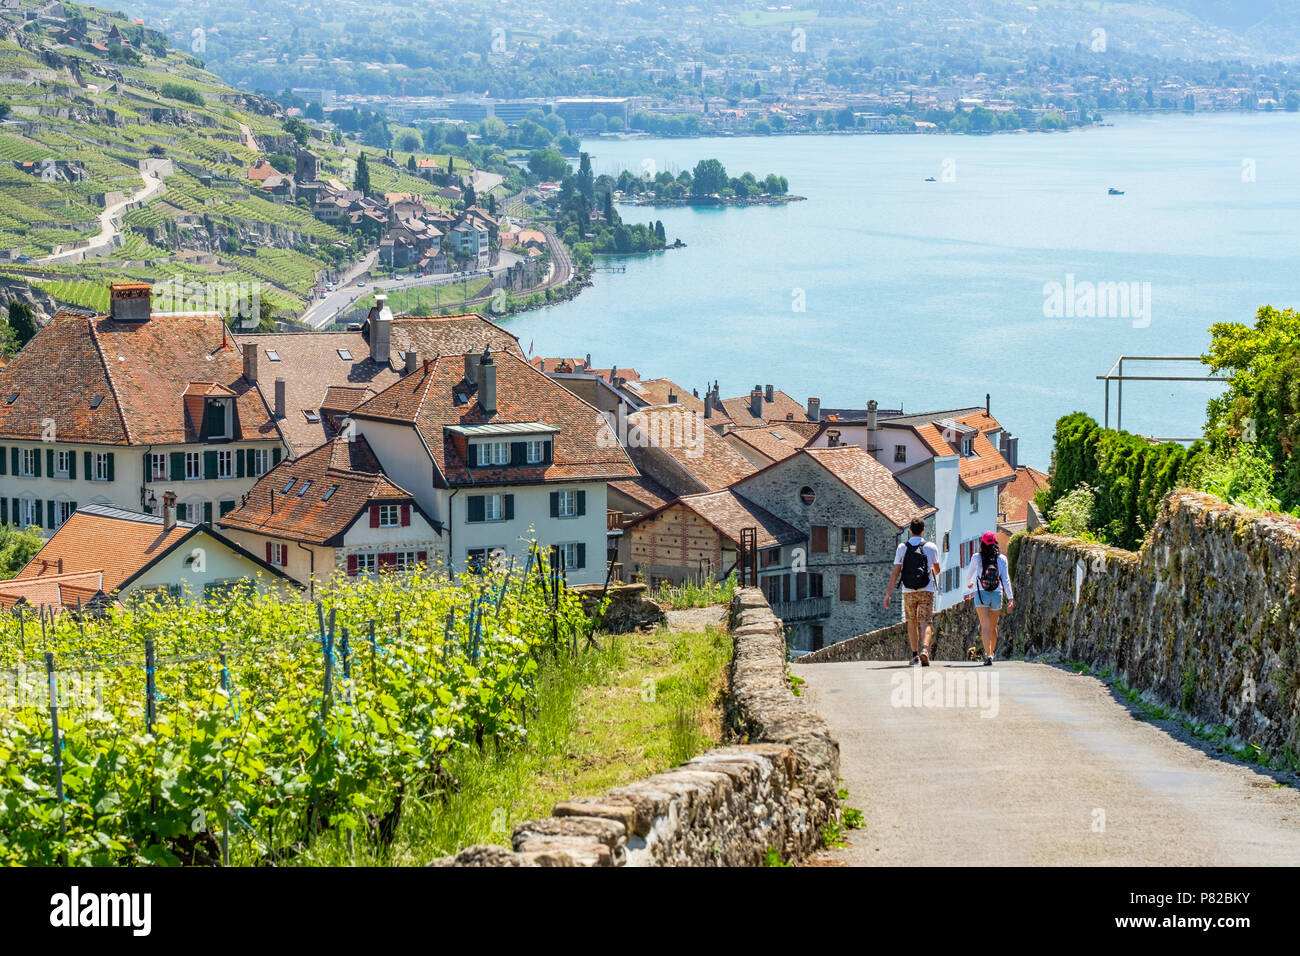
<point x="1029" y="785"/>
<point x="110" y="226"/>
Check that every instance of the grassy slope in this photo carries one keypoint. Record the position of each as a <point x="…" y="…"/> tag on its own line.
<point x="595" y="730"/>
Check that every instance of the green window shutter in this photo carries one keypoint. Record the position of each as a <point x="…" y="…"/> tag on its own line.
<point x="17" y="466"/>
<point x="49" y="510"/>
<point x="90" y="466"/>
<point x="555" y="504"/>
<point x="239" y="463"/>
<point x="36" y="463"/>
<point x="148" y="468"/>
<point x="275" y="457"/>
<point x="4" y="510"/>
<point x="508" y="507"/>
<point x="17" y="512"/>
<point x="110" y="466"/>
<point x="36" y="513"/>
<point x="49" y="462"/>
<point x="582" y="502"/>
<point x="74" y="506"/>
<point x="224" y="508"/>
<point x="178" y="465"/>
<point x="474" y="508"/>
<point x="207" y="511"/>
<point x="581" y="555"/>
<point x="4" y="460"/>
<point x="209" y="464"/>
<point x="72" y="464"/>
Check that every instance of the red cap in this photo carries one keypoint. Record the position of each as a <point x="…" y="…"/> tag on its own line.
<point x="988" y="538"/>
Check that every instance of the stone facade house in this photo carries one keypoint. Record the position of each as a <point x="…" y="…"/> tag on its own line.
<point x="853" y="513"/>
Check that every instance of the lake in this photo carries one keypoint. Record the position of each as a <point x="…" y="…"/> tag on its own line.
<point x="928" y="295"/>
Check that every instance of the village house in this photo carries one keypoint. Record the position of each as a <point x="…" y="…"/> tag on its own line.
<point x="676" y="447"/>
<point x="110" y="554"/>
<point x="764" y="444"/>
<point x="500" y="456"/>
<point x="121" y="408"/>
<point x="854" y="513"/>
<point x="333" y="512"/>
<point x="951" y="459"/>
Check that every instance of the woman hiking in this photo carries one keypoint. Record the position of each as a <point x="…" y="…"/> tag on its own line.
<point x="988" y="579"/>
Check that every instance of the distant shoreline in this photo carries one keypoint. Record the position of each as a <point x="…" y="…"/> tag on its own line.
<point x="710" y="201"/>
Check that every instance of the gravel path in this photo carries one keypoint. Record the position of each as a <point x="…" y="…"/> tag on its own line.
<point x="1061" y="772"/>
<point x="697" y="618"/>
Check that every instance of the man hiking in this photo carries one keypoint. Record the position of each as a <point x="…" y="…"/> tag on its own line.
<point x="917" y="562"/>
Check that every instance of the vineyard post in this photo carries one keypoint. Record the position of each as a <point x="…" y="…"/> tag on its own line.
<point x="374" y="650"/>
<point x="225" y="823"/>
<point x="448" y="633"/>
<point x="22" y="633"/>
<point x="150" y="688"/>
<point x="327" y="646"/>
<point x="52" y="684"/>
<point x="397" y="620"/>
<point x="346" y="649"/>
<point x="81" y="623"/>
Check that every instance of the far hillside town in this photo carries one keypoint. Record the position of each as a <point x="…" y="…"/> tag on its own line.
<point x="167" y="453"/>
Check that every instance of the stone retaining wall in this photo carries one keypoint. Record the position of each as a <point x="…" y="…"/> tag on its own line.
<point x="956" y="630"/>
<point x="775" y="789"/>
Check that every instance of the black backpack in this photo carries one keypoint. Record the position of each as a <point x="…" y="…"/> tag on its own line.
<point x="916" y="567"/>
<point x="990" y="576"/>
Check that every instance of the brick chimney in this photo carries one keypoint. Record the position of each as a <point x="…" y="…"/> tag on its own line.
<point x="250" y="363"/>
<point x="814" y="409"/>
<point x="412" y="360"/>
<point x="280" y="400"/>
<point x="381" y="329"/>
<point x="130" y="301"/>
<point x="169" y="510"/>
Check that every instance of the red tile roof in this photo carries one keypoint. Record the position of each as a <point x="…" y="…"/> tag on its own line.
<point x="872" y="482"/>
<point x="140" y="372"/>
<point x="729" y="513"/>
<point x="434" y="335"/>
<point x="584" y="447"/>
<point x="645" y="490"/>
<point x="985" y="465"/>
<point x="774" y="441"/>
<point x="92" y="540"/>
<point x="657" y="391"/>
<point x="55" y="591"/>
<point x="685" y="436"/>
<point x="1015" y="497"/>
<point x="348" y="467"/>
<point x="738" y="409"/>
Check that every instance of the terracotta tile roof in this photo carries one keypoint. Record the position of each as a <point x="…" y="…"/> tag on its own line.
<point x="873" y="482"/>
<point x="807" y="429"/>
<point x="579" y="365"/>
<point x="657" y="391"/>
<point x="102" y="539"/>
<point x="985" y="465"/>
<point x="311" y="365"/>
<point x="344" y="398"/>
<point x="141" y="374"/>
<point x="348" y="467"/>
<point x="434" y="335"/>
<point x="775" y="440"/>
<point x="583" y="448"/>
<point x="698" y="450"/>
<point x="730" y="513"/>
<point x="1015" y="497"/>
<point x="738" y="409"/>
<point x="55" y="591"/>
<point x="645" y="490"/>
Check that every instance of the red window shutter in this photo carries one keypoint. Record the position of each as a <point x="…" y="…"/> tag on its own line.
<point x="374" y="516"/>
<point x="422" y="557"/>
<point x="352" y="565"/>
<point x="284" y="555"/>
<point x="268" y="553"/>
<point x="862" y="540"/>
<point x="388" y="559"/>
<point x="406" y="515"/>
<point x="819" y="536"/>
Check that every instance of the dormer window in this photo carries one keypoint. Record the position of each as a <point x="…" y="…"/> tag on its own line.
<point x="217" y="419"/>
<point x="968" y="446"/>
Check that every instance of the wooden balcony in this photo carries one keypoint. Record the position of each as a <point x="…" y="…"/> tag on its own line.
<point x="805" y="609"/>
<point x="614" y="521"/>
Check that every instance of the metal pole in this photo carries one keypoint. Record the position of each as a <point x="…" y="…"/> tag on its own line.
<point x="225" y="823"/>
<point x="1119" y="409"/>
<point x="150" y="687"/>
<point x="51" y="683"/>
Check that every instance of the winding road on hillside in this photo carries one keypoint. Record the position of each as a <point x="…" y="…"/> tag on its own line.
<point x="1061" y="772"/>
<point x="110" y="227"/>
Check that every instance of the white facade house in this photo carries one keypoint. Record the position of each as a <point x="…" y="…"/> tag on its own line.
<point x="951" y="459"/>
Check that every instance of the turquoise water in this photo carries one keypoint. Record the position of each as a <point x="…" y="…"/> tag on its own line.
<point x="928" y="295"/>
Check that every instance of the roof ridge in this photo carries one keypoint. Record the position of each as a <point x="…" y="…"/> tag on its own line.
<point x="108" y="375"/>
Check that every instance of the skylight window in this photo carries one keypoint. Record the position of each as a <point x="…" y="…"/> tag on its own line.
<point x="287" y="485"/>
<point x="778" y="436"/>
<point x="345" y="355"/>
<point x="273" y="355"/>
<point x="328" y="493"/>
<point x="94" y="402"/>
<point x="12" y="398"/>
<point x="311" y="415"/>
<point x="302" y="490"/>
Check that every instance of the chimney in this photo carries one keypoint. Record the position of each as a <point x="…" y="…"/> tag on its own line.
<point x="169" y="510"/>
<point x="130" y="301"/>
<point x="487" y="383"/>
<point x="250" y="363"/>
<point x="280" y="401"/>
<point x="471" y="369"/>
<point x="412" y="360"/>
<point x="873" y="433"/>
<point x="986" y="404"/>
<point x="814" y="409"/>
<point x="672" y="397"/>
<point x="756" y="402"/>
<point x="769" y="393"/>
<point x="588" y="360"/>
<point x="381" y="329"/>
<point x="541" y="365"/>
<point x="708" y="405"/>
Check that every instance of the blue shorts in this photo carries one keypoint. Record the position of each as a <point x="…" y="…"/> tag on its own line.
<point x="989" y="599"/>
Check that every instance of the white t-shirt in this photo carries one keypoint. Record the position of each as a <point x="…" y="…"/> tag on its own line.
<point x="932" y="558"/>
<point x="974" y="566"/>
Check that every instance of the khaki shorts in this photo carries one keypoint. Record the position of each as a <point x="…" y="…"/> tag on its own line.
<point x="919" y="606"/>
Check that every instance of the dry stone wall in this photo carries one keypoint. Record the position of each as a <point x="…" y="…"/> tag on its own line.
<point x="776" y="788"/>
